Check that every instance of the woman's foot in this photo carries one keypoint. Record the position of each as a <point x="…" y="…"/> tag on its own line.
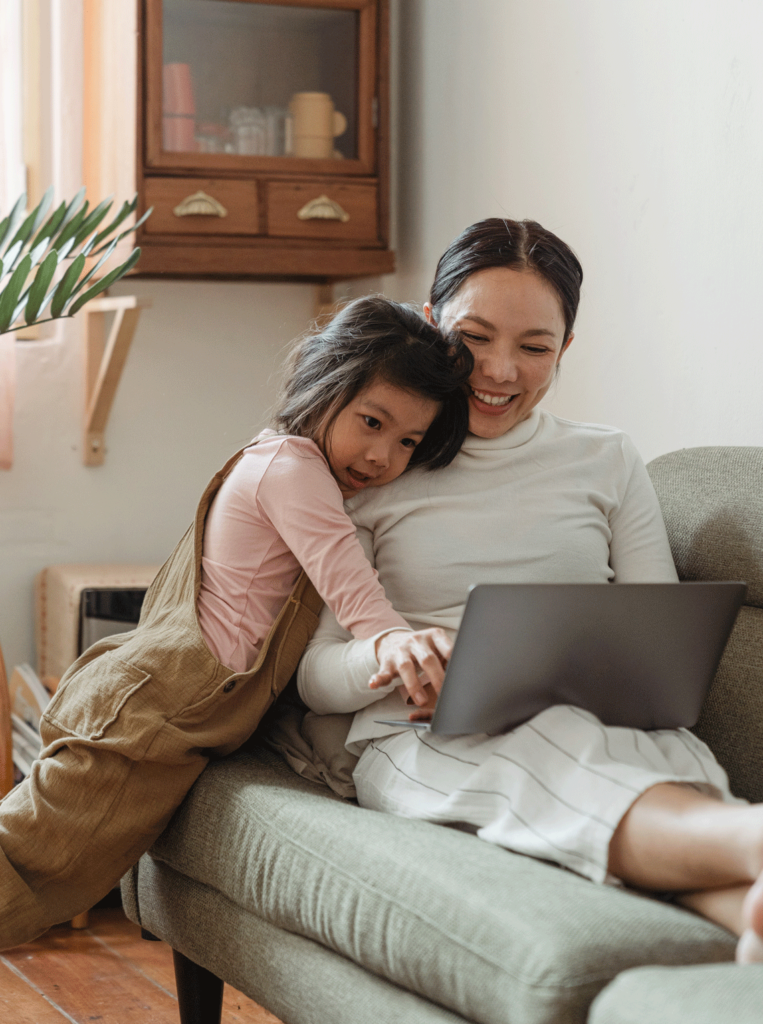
<point x="750" y="945"/>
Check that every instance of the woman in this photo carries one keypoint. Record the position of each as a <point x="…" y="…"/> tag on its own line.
<point x="530" y="498"/>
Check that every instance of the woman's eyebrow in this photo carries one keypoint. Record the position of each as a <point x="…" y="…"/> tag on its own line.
<point x="476" y="319"/>
<point x="532" y="332"/>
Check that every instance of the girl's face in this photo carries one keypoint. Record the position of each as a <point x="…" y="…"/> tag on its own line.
<point x="513" y="323"/>
<point x="372" y="439"/>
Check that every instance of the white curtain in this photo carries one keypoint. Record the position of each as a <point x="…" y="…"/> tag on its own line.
<point x="12" y="184"/>
<point x="12" y="172"/>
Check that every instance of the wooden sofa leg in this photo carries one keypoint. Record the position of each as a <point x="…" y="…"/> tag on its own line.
<point x="200" y="993"/>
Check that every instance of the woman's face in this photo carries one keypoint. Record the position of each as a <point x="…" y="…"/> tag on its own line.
<point x="513" y="323"/>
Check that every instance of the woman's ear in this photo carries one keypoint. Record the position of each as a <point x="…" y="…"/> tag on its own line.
<point x="565" y="346"/>
<point x="428" y="313"/>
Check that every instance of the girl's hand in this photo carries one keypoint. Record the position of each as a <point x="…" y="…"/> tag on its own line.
<point x="406" y="655"/>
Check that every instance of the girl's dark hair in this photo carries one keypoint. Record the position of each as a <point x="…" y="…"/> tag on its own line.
<point x="518" y="245"/>
<point x="376" y="339"/>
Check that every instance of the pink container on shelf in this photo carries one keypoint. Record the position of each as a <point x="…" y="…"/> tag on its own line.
<point x="179" y="109"/>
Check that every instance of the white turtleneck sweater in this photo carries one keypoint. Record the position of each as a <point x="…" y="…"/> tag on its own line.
<point x="551" y="501"/>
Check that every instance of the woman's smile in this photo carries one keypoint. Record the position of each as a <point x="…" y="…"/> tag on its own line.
<point x="496" y="401"/>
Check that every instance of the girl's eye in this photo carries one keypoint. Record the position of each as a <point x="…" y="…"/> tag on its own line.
<point x="473" y="337"/>
<point x="408" y="442"/>
<point x="537" y="350"/>
<point x="372" y="422"/>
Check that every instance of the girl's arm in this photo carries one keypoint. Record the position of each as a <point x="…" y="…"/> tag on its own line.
<point x="335" y="670"/>
<point x="302" y="502"/>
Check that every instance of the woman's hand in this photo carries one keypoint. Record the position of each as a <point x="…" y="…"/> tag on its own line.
<point x="424" y="712"/>
<point x="416" y="658"/>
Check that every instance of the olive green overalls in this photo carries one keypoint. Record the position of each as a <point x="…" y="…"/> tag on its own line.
<point x="133" y="723"/>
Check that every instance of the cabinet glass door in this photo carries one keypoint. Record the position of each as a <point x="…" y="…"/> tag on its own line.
<point x="242" y="80"/>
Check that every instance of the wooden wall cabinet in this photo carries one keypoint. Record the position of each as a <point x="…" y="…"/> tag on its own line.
<point x="204" y="108"/>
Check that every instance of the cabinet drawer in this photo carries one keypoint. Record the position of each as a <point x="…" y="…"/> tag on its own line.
<point x="201" y="206"/>
<point x="322" y="210"/>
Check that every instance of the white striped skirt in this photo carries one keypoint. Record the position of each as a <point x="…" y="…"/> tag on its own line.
<point x="554" y="788"/>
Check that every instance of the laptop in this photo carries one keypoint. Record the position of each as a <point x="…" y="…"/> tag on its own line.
<point x="640" y="655"/>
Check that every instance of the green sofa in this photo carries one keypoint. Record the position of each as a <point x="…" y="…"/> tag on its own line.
<point x="326" y="913"/>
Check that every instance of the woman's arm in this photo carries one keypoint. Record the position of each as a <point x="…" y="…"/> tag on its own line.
<point x="335" y="670"/>
<point x="639" y="549"/>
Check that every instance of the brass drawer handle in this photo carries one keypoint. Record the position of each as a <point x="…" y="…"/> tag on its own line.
<point x="323" y="208"/>
<point x="200" y="205"/>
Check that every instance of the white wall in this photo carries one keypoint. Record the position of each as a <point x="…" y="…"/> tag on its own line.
<point x="634" y="130"/>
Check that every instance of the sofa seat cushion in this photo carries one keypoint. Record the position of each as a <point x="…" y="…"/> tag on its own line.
<point x="493" y="936"/>
<point x="708" y="994"/>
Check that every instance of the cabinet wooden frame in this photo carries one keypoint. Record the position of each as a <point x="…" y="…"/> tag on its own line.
<point x="122" y="154"/>
<point x="224" y="164"/>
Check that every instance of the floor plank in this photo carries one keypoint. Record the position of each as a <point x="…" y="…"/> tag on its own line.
<point x="89" y="982"/>
<point x="105" y="973"/>
<point x="21" y="1004"/>
<point x="154" y="959"/>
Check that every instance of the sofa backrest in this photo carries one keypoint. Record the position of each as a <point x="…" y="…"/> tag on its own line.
<point x="712" y="503"/>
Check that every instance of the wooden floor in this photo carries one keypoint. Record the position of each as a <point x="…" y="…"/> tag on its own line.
<point x="104" y="973"/>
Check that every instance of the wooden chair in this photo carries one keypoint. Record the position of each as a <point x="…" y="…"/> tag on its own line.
<point x="6" y="742"/>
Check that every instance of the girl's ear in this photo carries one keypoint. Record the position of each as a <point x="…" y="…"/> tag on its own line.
<point x="428" y="313"/>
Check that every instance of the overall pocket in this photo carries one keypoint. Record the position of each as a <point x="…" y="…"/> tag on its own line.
<point x="106" y="700"/>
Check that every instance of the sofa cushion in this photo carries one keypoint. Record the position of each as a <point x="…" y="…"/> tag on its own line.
<point x="708" y="994"/>
<point x="491" y="935"/>
<point x="731" y="722"/>
<point x="712" y="504"/>
<point x="298" y="980"/>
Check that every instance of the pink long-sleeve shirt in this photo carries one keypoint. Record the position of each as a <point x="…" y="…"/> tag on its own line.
<point x="281" y="509"/>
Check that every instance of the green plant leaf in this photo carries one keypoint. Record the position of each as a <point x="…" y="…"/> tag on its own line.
<point x="19" y="308"/>
<point x="64" y="250"/>
<point x="91" y="273"/>
<point x="106" y="282"/>
<point x="70" y="230"/>
<point x="13" y="218"/>
<point x="34" y="219"/>
<point x="73" y="207"/>
<point x="127" y="209"/>
<point x="37" y="251"/>
<point x="52" y="224"/>
<point x="43" y="207"/>
<point x="129" y="230"/>
<point x="91" y="222"/>
<point x="11" y="292"/>
<point x="65" y="285"/>
<point x="12" y="255"/>
<point x="40" y="286"/>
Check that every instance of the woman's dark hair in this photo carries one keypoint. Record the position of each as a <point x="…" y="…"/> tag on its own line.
<point x="375" y="339"/>
<point x="517" y="245"/>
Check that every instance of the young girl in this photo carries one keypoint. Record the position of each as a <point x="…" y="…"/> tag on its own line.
<point x="372" y="394"/>
<point x="137" y="717"/>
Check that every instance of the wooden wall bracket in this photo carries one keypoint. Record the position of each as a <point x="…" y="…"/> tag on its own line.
<point x="104" y="362"/>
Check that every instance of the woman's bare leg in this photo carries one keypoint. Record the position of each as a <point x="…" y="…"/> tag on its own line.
<point x="674" y="838"/>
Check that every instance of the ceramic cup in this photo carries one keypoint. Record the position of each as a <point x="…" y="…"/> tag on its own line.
<point x="314" y="125"/>
<point x="179" y="120"/>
